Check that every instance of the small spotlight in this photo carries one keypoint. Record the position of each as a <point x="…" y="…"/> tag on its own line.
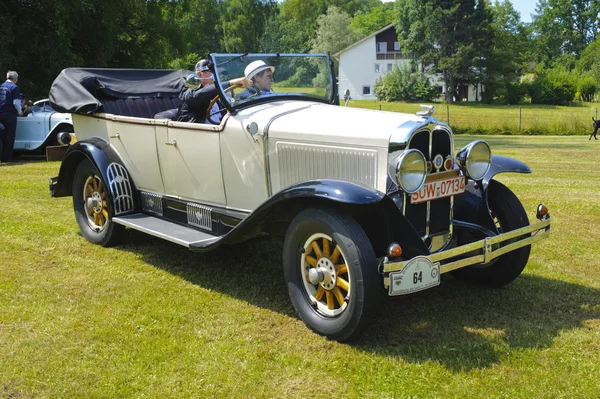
<point x="394" y="250"/>
<point x="542" y="212"/>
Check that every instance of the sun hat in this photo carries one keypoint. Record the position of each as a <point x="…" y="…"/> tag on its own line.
<point x="255" y="67"/>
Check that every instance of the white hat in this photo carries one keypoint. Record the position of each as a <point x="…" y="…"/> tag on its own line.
<point x="255" y="67"/>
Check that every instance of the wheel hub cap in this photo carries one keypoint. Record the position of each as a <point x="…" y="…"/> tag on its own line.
<point x="327" y="269"/>
<point x="95" y="202"/>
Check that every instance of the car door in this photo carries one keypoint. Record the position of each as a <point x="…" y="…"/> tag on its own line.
<point x="135" y="141"/>
<point x="31" y="130"/>
<point x="190" y="162"/>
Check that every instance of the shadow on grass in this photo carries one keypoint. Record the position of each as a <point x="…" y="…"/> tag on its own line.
<point x="460" y="325"/>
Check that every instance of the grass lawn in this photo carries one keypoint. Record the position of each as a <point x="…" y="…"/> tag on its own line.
<point x="478" y="118"/>
<point x="151" y="319"/>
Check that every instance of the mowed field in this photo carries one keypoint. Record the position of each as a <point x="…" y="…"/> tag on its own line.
<point x="150" y="319"/>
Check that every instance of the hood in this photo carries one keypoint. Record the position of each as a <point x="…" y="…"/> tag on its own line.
<point x="342" y="125"/>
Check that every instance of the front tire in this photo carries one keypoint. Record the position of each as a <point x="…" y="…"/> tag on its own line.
<point x="93" y="209"/>
<point x="333" y="250"/>
<point x="508" y="214"/>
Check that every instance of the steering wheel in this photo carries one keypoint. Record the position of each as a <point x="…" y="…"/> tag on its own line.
<point x="209" y="114"/>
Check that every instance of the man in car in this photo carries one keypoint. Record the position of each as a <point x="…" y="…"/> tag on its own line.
<point x="194" y="102"/>
<point x="261" y="75"/>
<point x="10" y="108"/>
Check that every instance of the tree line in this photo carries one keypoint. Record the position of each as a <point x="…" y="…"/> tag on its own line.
<point x="551" y="60"/>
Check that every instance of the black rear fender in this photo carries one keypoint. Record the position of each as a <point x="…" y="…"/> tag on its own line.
<point x="120" y="186"/>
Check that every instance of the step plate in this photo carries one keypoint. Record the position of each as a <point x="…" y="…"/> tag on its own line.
<point x="166" y="230"/>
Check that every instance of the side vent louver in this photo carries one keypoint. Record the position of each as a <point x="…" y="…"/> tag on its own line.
<point x="120" y="187"/>
<point x="199" y="216"/>
<point x="152" y="203"/>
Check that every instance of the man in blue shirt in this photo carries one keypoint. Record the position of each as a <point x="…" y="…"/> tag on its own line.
<point x="10" y="108"/>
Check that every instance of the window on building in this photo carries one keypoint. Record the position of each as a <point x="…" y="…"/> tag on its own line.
<point x="366" y="89"/>
<point x="397" y="46"/>
<point x="382" y="47"/>
<point x="377" y="68"/>
<point x="389" y="67"/>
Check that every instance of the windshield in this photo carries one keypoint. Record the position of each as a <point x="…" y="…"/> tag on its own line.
<point x="275" y="77"/>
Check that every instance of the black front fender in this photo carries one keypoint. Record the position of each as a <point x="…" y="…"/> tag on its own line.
<point x="110" y="166"/>
<point x="472" y="205"/>
<point x="377" y="214"/>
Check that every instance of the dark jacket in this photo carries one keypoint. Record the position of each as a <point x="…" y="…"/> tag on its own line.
<point x="9" y="92"/>
<point x="194" y="103"/>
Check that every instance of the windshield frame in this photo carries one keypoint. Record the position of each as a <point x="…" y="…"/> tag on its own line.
<point x="234" y="108"/>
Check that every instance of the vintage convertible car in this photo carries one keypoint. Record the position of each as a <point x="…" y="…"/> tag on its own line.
<point x="42" y="127"/>
<point x="364" y="198"/>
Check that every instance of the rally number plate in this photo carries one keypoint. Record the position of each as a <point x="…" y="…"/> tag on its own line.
<point x="439" y="189"/>
<point x="417" y="275"/>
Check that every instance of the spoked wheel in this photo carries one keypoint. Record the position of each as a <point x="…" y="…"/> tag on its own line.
<point x="331" y="272"/>
<point x="326" y="275"/>
<point x="508" y="214"/>
<point x="93" y="209"/>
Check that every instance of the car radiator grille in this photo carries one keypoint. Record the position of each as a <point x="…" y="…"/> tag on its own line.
<point x="433" y="217"/>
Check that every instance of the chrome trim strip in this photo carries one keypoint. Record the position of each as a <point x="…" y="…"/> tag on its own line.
<point x="265" y="136"/>
<point x="485" y="245"/>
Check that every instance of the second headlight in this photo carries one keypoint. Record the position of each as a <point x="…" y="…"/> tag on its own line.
<point x="410" y="170"/>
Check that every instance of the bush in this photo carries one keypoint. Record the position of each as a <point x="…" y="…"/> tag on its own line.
<point x="402" y="84"/>
<point x="556" y="91"/>
<point x="587" y="88"/>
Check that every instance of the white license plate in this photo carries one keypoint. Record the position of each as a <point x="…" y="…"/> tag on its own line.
<point x="417" y="275"/>
<point x="439" y="189"/>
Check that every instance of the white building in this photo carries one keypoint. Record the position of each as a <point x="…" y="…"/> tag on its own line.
<point x="361" y="64"/>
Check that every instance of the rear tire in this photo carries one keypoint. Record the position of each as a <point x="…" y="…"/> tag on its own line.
<point x="342" y="303"/>
<point x="93" y="208"/>
<point x="508" y="214"/>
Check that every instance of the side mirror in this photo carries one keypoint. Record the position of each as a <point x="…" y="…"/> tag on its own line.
<point x="347" y="97"/>
<point x="193" y="81"/>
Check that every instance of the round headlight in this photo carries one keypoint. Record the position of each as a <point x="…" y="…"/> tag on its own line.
<point x="411" y="170"/>
<point x="475" y="159"/>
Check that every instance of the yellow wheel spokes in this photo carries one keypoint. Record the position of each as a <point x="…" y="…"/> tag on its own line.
<point x="335" y="298"/>
<point x="97" y="214"/>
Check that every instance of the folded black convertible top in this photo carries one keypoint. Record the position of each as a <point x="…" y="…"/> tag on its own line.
<point x="79" y="90"/>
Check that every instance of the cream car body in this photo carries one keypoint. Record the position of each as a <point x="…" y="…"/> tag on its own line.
<point x="362" y="198"/>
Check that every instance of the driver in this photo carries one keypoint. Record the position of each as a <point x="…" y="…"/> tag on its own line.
<point x="194" y="102"/>
<point x="262" y="80"/>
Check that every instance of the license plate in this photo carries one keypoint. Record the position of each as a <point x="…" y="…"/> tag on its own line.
<point x="417" y="275"/>
<point x="439" y="189"/>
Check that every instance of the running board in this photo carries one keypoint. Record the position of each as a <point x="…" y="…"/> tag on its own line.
<point x="166" y="230"/>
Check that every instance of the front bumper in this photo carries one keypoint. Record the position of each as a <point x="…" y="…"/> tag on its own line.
<point x="478" y="252"/>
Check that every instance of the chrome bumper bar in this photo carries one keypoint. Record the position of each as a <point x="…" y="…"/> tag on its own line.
<point x="488" y="248"/>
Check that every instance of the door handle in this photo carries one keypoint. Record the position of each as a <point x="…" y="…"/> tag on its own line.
<point x="173" y="143"/>
<point x="116" y="136"/>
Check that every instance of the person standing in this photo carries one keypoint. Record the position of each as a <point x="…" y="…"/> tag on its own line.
<point x="10" y="108"/>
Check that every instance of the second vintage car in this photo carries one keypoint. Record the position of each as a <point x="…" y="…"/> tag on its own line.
<point x="363" y="198"/>
<point x="41" y="128"/>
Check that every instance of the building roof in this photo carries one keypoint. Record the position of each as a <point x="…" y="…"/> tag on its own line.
<point x="336" y="55"/>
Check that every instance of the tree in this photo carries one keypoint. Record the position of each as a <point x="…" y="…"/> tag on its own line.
<point x="445" y="34"/>
<point x="372" y="21"/>
<point x="334" y="32"/>
<point x="498" y="63"/>
<point x="243" y="23"/>
<point x="564" y="27"/>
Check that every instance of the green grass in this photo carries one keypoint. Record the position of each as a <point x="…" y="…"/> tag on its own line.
<point x="477" y="118"/>
<point x="151" y="319"/>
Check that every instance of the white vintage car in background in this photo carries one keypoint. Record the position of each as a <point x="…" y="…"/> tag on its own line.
<point x="363" y="198"/>
<point x="41" y="127"/>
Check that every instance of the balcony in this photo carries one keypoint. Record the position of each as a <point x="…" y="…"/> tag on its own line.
<point x="390" y="55"/>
